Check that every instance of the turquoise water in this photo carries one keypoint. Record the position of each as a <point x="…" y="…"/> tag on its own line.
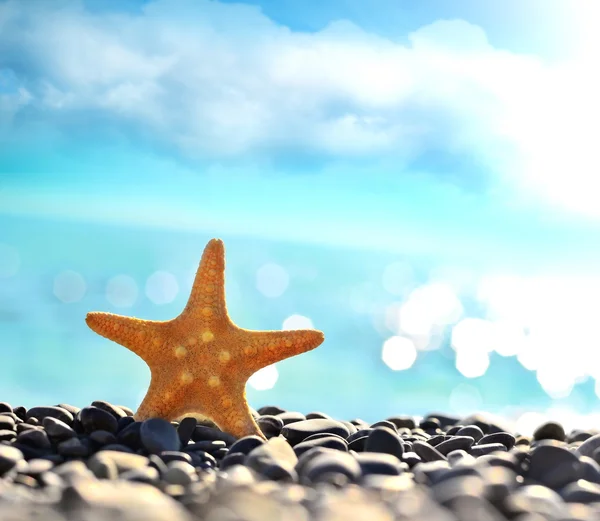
<point x="48" y="355"/>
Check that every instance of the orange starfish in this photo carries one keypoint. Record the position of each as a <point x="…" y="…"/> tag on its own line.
<point x="200" y="361"/>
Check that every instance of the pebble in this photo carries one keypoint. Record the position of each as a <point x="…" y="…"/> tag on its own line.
<point x="550" y="431"/>
<point x="553" y="466"/>
<point x="386" y="440"/>
<point x="6" y="422"/>
<point x="487" y="448"/>
<point x="180" y="473"/>
<point x="158" y="435"/>
<point x="35" y="438"/>
<point x="331" y="461"/>
<point x="270" y="426"/>
<point x="95" y="419"/>
<point x="55" y="412"/>
<point x="426" y="452"/>
<point x="57" y="429"/>
<point x="379" y="463"/>
<point x="298" y="431"/>
<point x="470" y="430"/>
<point x="185" y="429"/>
<point x="330" y="442"/>
<point x="505" y="438"/>
<point x="9" y="457"/>
<point x="116" y="411"/>
<point x="455" y="443"/>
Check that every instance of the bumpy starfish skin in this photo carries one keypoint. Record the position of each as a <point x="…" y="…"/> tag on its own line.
<point x="200" y="361"/>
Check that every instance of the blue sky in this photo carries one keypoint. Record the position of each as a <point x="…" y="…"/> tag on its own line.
<point x="462" y="131"/>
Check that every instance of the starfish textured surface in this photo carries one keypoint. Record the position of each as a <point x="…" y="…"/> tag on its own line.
<point x="200" y="361"/>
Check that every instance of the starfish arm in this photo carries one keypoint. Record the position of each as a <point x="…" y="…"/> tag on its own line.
<point x="206" y="305"/>
<point x="162" y="400"/>
<point x="262" y="348"/>
<point x="140" y="336"/>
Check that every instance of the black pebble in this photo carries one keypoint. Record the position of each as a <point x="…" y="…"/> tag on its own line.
<point x="487" y="448"/>
<point x="130" y="435"/>
<point x="158" y="435"/>
<point x="455" y="443"/>
<point x="379" y="463"/>
<point x="5" y="407"/>
<point x="470" y="430"/>
<point x="553" y="466"/>
<point x="186" y="429"/>
<point x="298" y="431"/>
<point x="358" y="444"/>
<point x="246" y="444"/>
<point x="426" y="452"/>
<point x="507" y="439"/>
<point x="95" y="419"/>
<point x="383" y="439"/>
<point x="550" y="431"/>
<point x="117" y="412"/>
<point x="55" y="412"/>
<point x="201" y="432"/>
<point x="402" y="422"/>
<point x="57" y="429"/>
<point x="124" y="422"/>
<point x="35" y="438"/>
<point x="270" y="425"/>
<point x="9" y="457"/>
<point x="329" y="442"/>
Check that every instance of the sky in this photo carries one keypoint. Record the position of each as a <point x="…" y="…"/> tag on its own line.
<point x="462" y="131"/>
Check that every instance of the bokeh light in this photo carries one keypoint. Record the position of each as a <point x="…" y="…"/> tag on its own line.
<point x="10" y="261"/>
<point x="465" y="399"/>
<point x="399" y="353"/>
<point x="272" y="280"/>
<point x="161" y="287"/>
<point x="264" y="378"/>
<point x="69" y="286"/>
<point x="297" y="322"/>
<point x="397" y="278"/>
<point x="472" y="364"/>
<point x="122" y="291"/>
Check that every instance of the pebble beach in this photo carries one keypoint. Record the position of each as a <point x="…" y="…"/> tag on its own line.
<point x="97" y="463"/>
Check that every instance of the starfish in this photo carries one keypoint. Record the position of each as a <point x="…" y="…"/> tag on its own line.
<point x="200" y="361"/>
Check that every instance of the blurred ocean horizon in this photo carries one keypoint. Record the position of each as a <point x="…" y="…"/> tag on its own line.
<point x="379" y="312"/>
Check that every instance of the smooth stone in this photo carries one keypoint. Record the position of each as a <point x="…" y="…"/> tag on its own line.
<point x="141" y="475"/>
<point x="9" y="458"/>
<point x="590" y="469"/>
<point x="581" y="491"/>
<point x="35" y="438"/>
<point x="317" y="415"/>
<point x="402" y="422"/>
<point x="156" y="461"/>
<point x="7" y="423"/>
<point x="279" y="472"/>
<point x="103" y="437"/>
<point x="447" y="491"/>
<point x="298" y="431"/>
<point x="185" y="429"/>
<point x="73" y="447"/>
<point x="378" y="463"/>
<point x="126" y="410"/>
<point x="116" y="411"/>
<point x="455" y="443"/>
<point x="21" y="412"/>
<point x="271" y="410"/>
<point x="331" y="461"/>
<point x="437" y="439"/>
<point x="288" y="417"/>
<point x="507" y="439"/>
<point x="385" y="423"/>
<point x="201" y="433"/>
<point x="235" y="458"/>
<point x="460" y="457"/>
<point x="329" y="442"/>
<point x="72" y="471"/>
<point x="158" y="435"/>
<point x="95" y="419"/>
<point x="471" y="430"/>
<point x="411" y="458"/>
<point x="550" y="431"/>
<point x="430" y="424"/>
<point x="180" y="473"/>
<point x="73" y="409"/>
<point x="7" y="435"/>
<point x="320" y="435"/>
<point x="37" y="465"/>
<point x="588" y="447"/>
<point x="535" y="499"/>
<point x="174" y="455"/>
<point x="130" y="435"/>
<point x="274" y="450"/>
<point x="103" y="468"/>
<point x="57" y="429"/>
<point x="5" y="407"/>
<point x="444" y="420"/>
<point x="578" y="435"/>
<point x="553" y="466"/>
<point x="499" y="482"/>
<point x="123" y="423"/>
<point x="487" y="448"/>
<point x="30" y="452"/>
<point x="429" y="472"/>
<point x="426" y="452"/>
<point x="55" y="412"/>
<point x="22" y="427"/>
<point x="123" y="461"/>
<point x="270" y="426"/>
<point x="359" y="434"/>
<point x="358" y="444"/>
<point x="385" y="440"/>
<point x="246" y="444"/>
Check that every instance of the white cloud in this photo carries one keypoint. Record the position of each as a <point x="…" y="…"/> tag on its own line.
<point x="223" y="80"/>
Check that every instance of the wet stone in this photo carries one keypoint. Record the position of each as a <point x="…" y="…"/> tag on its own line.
<point x="7" y="422"/>
<point x="202" y="433"/>
<point x="271" y="410"/>
<point x="73" y="447"/>
<point x="553" y="466"/>
<point x="270" y="426"/>
<point x="21" y="412"/>
<point x="36" y="438"/>
<point x="7" y="435"/>
<point x="358" y="444"/>
<point x="33" y="421"/>
<point x="185" y="429"/>
<point x="95" y="419"/>
<point x="232" y="459"/>
<point x="102" y="438"/>
<point x="205" y="445"/>
<point x="426" y="452"/>
<point x="507" y="439"/>
<point x="130" y="435"/>
<point x="57" y="429"/>
<point x="332" y="461"/>
<point x="382" y="439"/>
<point x="550" y="431"/>
<point x="329" y="442"/>
<point x="9" y="457"/>
<point x="288" y="417"/>
<point x="55" y="412"/>
<point x="173" y="455"/>
<point x="487" y="448"/>
<point x="379" y="463"/>
<point x="123" y="423"/>
<point x="455" y="443"/>
<point x="430" y="424"/>
<point x="298" y="431"/>
<point x="5" y="407"/>
<point x="470" y="430"/>
<point x="317" y="415"/>
<point x="246" y="444"/>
